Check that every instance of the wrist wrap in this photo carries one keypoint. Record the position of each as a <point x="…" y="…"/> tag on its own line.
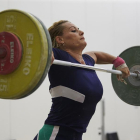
<point x="119" y="63"/>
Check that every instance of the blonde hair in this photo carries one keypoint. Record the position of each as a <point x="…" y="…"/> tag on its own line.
<point x="56" y="30"/>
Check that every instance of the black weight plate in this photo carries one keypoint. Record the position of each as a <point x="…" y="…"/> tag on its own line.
<point x="129" y="93"/>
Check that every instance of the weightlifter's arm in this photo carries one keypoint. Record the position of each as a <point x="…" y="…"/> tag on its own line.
<point x="101" y="57"/>
<point x="105" y="58"/>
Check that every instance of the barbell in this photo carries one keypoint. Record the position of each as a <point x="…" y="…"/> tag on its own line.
<point x="25" y="59"/>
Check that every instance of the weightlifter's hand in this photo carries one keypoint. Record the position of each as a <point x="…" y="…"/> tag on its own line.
<point x="52" y="58"/>
<point x="120" y="64"/>
<point x="125" y="73"/>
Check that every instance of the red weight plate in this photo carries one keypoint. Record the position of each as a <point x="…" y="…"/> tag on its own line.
<point x="10" y="52"/>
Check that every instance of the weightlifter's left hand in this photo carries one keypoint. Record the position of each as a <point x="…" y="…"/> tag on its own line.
<point x="125" y="73"/>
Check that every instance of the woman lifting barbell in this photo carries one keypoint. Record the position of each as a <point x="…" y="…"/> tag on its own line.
<point x="75" y="91"/>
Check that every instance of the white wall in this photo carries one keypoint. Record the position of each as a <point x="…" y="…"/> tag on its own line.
<point x="110" y="26"/>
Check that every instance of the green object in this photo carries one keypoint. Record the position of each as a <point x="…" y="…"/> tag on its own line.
<point x="129" y="93"/>
<point x="46" y="132"/>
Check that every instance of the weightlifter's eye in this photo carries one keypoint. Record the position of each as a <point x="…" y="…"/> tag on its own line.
<point x="73" y="31"/>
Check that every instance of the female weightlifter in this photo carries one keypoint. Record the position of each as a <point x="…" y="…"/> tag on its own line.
<point x="75" y="91"/>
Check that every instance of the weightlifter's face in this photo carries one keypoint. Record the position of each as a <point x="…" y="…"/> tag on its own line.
<point x="73" y="37"/>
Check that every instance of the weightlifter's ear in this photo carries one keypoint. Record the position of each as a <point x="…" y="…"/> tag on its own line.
<point x="59" y="39"/>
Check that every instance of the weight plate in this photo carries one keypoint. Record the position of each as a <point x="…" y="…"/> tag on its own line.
<point x="12" y="57"/>
<point x="24" y="80"/>
<point x="129" y="93"/>
<point x="49" y="56"/>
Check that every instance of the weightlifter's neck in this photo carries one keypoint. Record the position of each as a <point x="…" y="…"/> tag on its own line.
<point x="76" y="55"/>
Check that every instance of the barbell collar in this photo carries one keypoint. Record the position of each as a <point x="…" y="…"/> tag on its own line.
<point x="2" y="52"/>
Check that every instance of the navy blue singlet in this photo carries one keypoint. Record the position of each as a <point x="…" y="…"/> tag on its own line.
<point x="75" y="93"/>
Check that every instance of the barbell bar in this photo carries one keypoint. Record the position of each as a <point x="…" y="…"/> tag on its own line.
<point x="64" y="63"/>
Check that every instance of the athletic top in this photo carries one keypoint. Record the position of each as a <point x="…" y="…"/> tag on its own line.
<point x="75" y="93"/>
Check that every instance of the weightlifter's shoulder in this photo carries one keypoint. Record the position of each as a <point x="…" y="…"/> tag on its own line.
<point x="59" y="54"/>
<point x="92" y="55"/>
